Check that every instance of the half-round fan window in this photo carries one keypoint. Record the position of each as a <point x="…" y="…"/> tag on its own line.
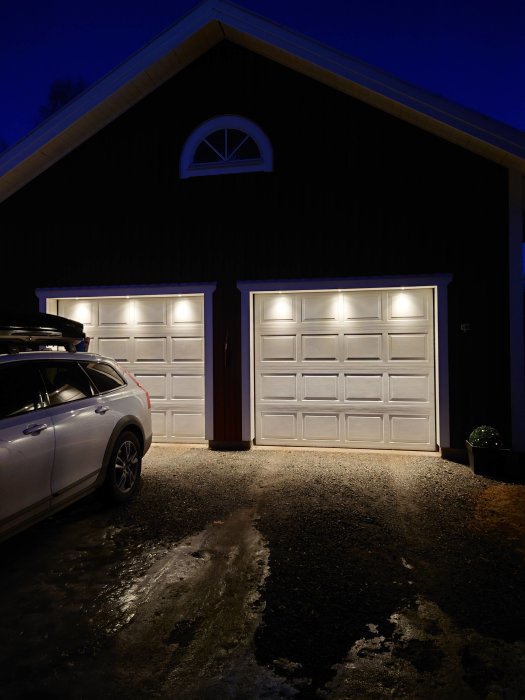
<point x="226" y="144"/>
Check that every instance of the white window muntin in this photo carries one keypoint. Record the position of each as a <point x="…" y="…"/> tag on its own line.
<point x="226" y="163"/>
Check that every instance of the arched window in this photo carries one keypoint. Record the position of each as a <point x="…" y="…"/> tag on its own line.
<point x="226" y="144"/>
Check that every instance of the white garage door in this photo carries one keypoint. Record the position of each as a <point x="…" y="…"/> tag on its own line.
<point x="345" y="369"/>
<point x="160" y="340"/>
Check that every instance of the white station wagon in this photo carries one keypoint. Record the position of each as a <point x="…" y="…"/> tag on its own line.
<point x="70" y="423"/>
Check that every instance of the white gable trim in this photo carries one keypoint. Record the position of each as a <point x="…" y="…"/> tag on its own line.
<point x="204" y="27"/>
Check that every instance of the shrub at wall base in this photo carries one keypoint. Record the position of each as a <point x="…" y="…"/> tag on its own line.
<point x="486" y="453"/>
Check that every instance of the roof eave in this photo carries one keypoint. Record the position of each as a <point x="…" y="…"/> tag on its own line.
<point x="472" y="130"/>
<point x="101" y="104"/>
<point x="204" y="27"/>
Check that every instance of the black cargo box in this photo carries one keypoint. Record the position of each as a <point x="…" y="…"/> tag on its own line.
<point x="34" y="330"/>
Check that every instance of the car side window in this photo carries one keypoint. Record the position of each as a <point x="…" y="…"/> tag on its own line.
<point x="103" y="376"/>
<point x="21" y="390"/>
<point x="65" y="382"/>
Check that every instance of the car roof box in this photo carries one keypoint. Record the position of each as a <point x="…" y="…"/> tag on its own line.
<point x="30" y="331"/>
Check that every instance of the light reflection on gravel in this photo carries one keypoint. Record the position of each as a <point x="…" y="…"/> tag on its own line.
<point x="271" y="574"/>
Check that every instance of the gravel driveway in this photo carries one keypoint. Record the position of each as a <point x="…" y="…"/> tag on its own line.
<point x="273" y="573"/>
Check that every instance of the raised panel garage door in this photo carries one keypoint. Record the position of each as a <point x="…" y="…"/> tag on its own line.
<point x="160" y="340"/>
<point x="345" y="369"/>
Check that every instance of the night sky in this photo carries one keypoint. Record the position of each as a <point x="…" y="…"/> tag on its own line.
<point x="460" y="50"/>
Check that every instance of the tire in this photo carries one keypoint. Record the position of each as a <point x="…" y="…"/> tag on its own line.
<point x="124" y="469"/>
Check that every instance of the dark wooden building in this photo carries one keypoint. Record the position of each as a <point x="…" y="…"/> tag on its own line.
<point x="287" y="247"/>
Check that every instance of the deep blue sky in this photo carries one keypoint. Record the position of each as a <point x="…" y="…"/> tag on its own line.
<point x="469" y="51"/>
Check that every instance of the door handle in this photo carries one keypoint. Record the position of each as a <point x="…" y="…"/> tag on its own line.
<point x="35" y="429"/>
<point x="102" y="409"/>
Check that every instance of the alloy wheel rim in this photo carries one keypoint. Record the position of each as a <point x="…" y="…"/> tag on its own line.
<point x="126" y="466"/>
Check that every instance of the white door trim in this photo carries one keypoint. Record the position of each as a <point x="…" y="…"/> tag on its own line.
<point x="438" y="282"/>
<point x="516" y="307"/>
<point x="48" y="302"/>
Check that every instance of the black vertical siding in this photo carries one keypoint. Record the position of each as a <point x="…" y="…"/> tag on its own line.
<point x="354" y="192"/>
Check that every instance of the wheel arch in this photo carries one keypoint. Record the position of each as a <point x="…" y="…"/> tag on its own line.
<point x="126" y="423"/>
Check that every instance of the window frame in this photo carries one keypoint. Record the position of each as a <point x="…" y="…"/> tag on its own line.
<point x="226" y="121"/>
<point x="100" y="363"/>
<point x="40" y="398"/>
<point x="59" y="364"/>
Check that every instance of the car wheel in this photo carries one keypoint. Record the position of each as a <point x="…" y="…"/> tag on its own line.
<point x="124" y="468"/>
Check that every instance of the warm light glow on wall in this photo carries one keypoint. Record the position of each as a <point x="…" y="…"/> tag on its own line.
<point x="401" y="304"/>
<point x="81" y="311"/>
<point x="282" y="307"/>
<point x="182" y="310"/>
<point x="407" y="304"/>
<point x="278" y="308"/>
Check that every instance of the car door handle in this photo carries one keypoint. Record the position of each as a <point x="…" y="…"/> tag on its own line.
<point x="102" y="409"/>
<point x="35" y="429"/>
